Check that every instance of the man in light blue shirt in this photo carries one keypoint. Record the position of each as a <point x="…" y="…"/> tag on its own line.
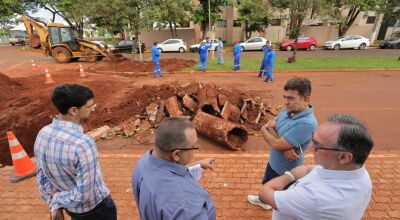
<point x="289" y="134"/>
<point x="164" y="188"/>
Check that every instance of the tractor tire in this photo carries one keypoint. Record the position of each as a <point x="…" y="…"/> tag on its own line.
<point x="61" y="55"/>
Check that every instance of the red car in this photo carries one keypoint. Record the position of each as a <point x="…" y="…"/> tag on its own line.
<point x="308" y="43"/>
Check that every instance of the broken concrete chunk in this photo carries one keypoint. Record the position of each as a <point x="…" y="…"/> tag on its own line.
<point x="151" y="111"/>
<point x="160" y="113"/>
<point x="129" y="129"/>
<point x="145" y="125"/>
<point x="222" y="99"/>
<point x="190" y="104"/>
<point x="172" y="106"/>
<point x="230" y="112"/>
<point x="98" y="133"/>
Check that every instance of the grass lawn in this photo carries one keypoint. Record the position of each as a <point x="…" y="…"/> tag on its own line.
<point x="311" y="63"/>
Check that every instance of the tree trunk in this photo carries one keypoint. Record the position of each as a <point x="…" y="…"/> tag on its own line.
<point x="203" y="28"/>
<point x="176" y="32"/>
<point x="171" y="29"/>
<point x="351" y="17"/>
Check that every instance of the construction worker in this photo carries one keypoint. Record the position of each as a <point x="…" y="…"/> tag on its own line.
<point x="155" y="55"/>
<point x="219" y="51"/>
<point x="263" y="62"/>
<point x="270" y="62"/>
<point x="203" y="52"/>
<point x="236" y="55"/>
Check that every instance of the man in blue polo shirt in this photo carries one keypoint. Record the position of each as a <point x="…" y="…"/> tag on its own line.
<point x="289" y="134"/>
<point x="163" y="186"/>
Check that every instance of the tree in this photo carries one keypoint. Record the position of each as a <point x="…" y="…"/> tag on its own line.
<point x="171" y="13"/>
<point x="201" y="13"/>
<point x="298" y="10"/>
<point x="254" y="14"/>
<point x="72" y="11"/>
<point x="353" y="8"/>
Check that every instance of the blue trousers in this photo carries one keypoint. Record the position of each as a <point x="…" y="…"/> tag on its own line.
<point x="203" y="63"/>
<point x="269" y="174"/>
<point x="236" y="64"/>
<point x="262" y="70"/>
<point x="157" y="70"/>
<point x="269" y="73"/>
<point x="220" y="58"/>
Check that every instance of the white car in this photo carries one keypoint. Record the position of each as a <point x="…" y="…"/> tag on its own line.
<point x="353" y="41"/>
<point x="195" y="47"/>
<point x="172" y="45"/>
<point x="254" y="43"/>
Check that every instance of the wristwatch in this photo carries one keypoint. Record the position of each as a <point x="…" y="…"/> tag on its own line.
<point x="290" y="175"/>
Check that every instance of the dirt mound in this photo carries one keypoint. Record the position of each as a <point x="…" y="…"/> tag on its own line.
<point x="121" y="65"/>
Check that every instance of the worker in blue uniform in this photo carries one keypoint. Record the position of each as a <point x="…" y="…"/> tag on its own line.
<point x="219" y="51"/>
<point x="203" y="52"/>
<point x="236" y="55"/>
<point x="155" y="55"/>
<point x="270" y="65"/>
<point x="263" y="62"/>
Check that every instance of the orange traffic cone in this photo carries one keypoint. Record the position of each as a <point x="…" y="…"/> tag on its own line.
<point x="48" y="77"/>
<point x="34" y="67"/>
<point x="23" y="166"/>
<point x="82" y="73"/>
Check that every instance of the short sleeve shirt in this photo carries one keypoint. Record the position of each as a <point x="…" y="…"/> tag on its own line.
<point x="298" y="131"/>
<point x="325" y="194"/>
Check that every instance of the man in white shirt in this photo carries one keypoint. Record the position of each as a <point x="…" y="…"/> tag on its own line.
<point x="338" y="187"/>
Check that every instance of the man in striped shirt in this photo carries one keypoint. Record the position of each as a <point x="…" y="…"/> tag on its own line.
<point x="69" y="174"/>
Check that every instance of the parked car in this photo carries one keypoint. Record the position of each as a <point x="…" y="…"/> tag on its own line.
<point x="18" y="39"/>
<point x="195" y="47"/>
<point x="172" y="45"/>
<point x="126" y="46"/>
<point x="254" y="43"/>
<point x="308" y="43"/>
<point x="392" y="44"/>
<point x="353" y="41"/>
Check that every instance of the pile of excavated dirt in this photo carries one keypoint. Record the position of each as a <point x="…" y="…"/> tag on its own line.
<point x="123" y="66"/>
<point x="26" y="106"/>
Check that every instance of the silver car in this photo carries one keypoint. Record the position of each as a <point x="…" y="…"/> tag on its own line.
<point x="254" y="43"/>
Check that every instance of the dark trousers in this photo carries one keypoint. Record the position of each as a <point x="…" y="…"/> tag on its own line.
<point x="269" y="174"/>
<point x="105" y="210"/>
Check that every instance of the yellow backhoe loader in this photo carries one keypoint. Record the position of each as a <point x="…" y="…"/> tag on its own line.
<point x="61" y="42"/>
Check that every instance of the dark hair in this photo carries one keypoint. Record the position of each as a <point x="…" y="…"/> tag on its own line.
<point x="353" y="137"/>
<point x="70" y="95"/>
<point x="171" y="134"/>
<point x="155" y="43"/>
<point x="300" y="84"/>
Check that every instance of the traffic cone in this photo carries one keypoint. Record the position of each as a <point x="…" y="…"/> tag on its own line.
<point x="34" y="66"/>
<point x="82" y="73"/>
<point x="23" y="165"/>
<point x="48" y="77"/>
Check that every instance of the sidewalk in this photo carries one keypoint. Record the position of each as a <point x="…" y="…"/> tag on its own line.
<point x="236" y="176"/>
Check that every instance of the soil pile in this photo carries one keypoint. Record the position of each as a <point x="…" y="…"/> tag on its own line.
<point x="121" y="65"/>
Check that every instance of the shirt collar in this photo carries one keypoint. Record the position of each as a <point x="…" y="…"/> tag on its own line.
<point x="67" y="124"/>
<point x="340" y="174"/>
<point x="167" y="165"/>
<point x="301" y="114"/>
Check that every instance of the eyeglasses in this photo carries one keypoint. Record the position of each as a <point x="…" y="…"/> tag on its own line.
<point x="288" y="98"/>
<point x="184" y="149"/>
<point x="317" y="146"/>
